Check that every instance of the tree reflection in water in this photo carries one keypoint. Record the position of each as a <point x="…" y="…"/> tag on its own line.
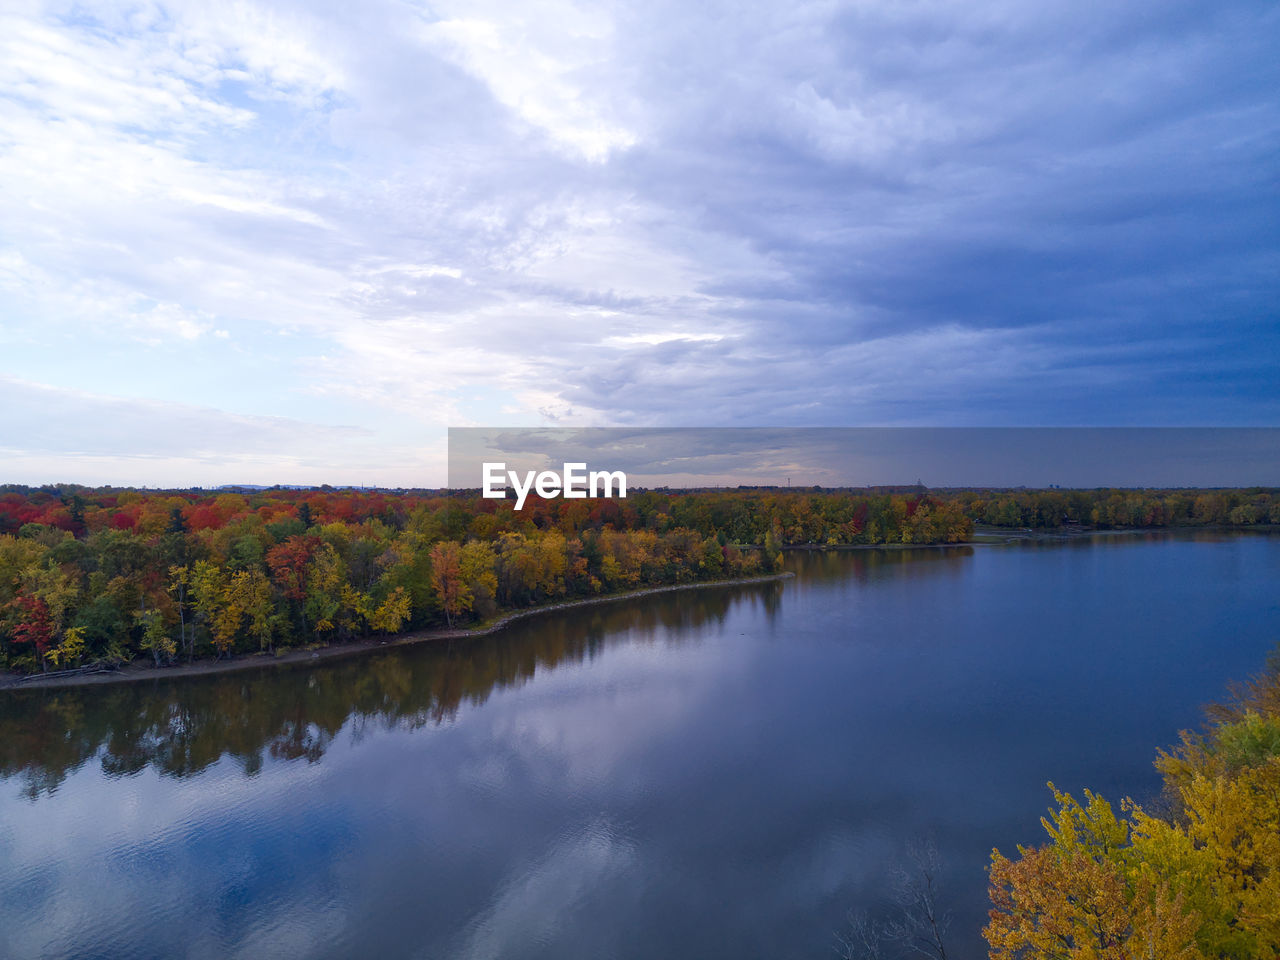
<point x="182" y="726"/>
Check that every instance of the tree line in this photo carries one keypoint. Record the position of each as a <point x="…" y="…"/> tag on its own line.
<point x="106" y="575"/>
<point x="1118" y="509"/>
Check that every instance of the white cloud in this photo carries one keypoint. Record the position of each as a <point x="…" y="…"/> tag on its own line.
<point x="543" y="61"/>
<point x="641" y="213"/>
<point x="42" y="297"/>
<point x="659" y="337"/>
<point x="538" y="900"/>
<point x="91" y="438"/>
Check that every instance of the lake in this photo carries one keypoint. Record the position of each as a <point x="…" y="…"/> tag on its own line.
<point x="722" y="772"/>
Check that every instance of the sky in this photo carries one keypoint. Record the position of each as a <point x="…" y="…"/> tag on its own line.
<point x="1070" y="457"/>
<point x="294" y="242"/>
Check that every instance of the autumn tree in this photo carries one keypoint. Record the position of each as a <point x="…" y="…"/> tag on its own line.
<point x="179" y="588"/>
<point x="249" y="600"/>
<point x="446" y="580"/>
<point x="289" y="563"/>
<point x="34" y="625"/>
<point x="210" y="589"/>
<point x="1202" y="881"/>
<point x="392" y="613"/>
<point x="156" y="638"/>
<point x="477" y="566"/>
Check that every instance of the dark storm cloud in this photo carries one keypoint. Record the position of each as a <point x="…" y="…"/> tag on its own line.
<point x="1103" y="182"/>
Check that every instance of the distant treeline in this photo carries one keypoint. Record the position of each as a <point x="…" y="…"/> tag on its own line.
<point x="1120" y="508"/>
<point x="91" y="575"/>
<point x="1194" y="877"/>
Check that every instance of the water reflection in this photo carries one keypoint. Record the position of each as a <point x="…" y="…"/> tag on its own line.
<point x="720" y="772"/>
<point x="185" y="725"/>
<point x="861" y="565"/>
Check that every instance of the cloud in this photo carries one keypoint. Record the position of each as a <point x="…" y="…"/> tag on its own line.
<point x="651" y="214"/>
<point x="870" y="456"/>
<point x="129" y="441"/>
<point x="539" y="60"/>
<point x="81" y="423"/>
<point x="540" y="900"/>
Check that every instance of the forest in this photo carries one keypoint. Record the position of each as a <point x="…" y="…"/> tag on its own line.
<point x="1194" y="876"/>
<point x="1120" y="509"/>
<point x="103" y="576"/>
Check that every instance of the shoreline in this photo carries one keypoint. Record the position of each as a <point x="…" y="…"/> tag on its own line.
<point x="983" y="536"/>
<point x="135" y="671"/>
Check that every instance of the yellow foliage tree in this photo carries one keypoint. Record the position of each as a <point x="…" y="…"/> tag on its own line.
<point x="1202" y="882"/>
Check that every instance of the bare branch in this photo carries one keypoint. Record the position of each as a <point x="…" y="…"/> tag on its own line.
<point x="862" y="940"/>
<point x="922" y="924"/>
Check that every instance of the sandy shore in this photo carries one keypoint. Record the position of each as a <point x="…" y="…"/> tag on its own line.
<point x="146" y="671"/>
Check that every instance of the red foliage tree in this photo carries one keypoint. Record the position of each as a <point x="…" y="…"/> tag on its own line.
<point x="288" y="562"/>
<point x="35" y="624"/>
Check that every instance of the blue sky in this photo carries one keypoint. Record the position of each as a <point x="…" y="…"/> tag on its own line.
<point x="277" y="242"/>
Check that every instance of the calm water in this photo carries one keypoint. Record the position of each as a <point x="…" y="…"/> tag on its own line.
<point x="713" y="773"/>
